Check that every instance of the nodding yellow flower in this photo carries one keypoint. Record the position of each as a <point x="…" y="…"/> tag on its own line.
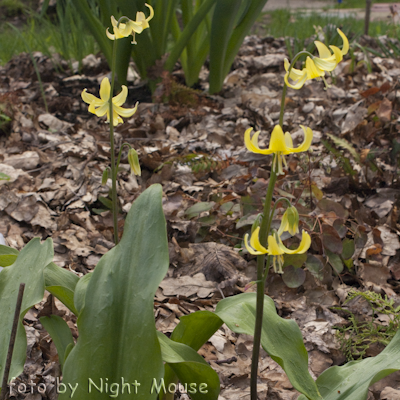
<point x="124" y="29"/>
<point x="280" y="144"/>
<point x="276" y="248"/>
<point x="315" y="67"/>
<point x="101" y="106"/>
<point x="290" y="221"/>
<point x="133" y="160"/>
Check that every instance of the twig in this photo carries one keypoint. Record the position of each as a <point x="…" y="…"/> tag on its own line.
<point x="12" y="341"/>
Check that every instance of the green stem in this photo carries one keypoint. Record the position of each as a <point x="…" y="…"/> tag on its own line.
<point x="261" y="278"/>
<point x="296" y="57"/>
<point x="112" y="150"/>
<point x="120" y="153"/>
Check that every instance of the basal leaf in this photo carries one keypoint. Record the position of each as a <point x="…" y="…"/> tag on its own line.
<point x="281" y="338"/>
<point x="8" y="255"/>
<point x="117" y="341"/>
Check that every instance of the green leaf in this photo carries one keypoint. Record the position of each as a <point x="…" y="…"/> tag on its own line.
<point x="293" y="277"/>
<point x="4" y="177"/>
<point x="344" y="144"/>
<point x="281" y="338"/>
<point x="28" y="268"/>
<point x="117" y="334"/>
<point x="296" y="260"/>
<point x="61" y="283"/>
<point x="60" y="333"/>
<point x="196" y="328"/>
<point x="193" y="371"/>
<point x="348" y="248"/>
<point x="198" y="208"/>
<point x="315" y="266"/>
<point x="8" y="255"/>
<point x="335" y="261"/>
<point x="351" y="381"/>
<point x="80" y="292"/>
<point x="331" y="239"/>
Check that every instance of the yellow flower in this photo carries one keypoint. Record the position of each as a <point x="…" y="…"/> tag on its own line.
<point x="290" y="221"/>
<point x="123" y="29"/>
<point x="276" y="248"/>
<point x="101" y="106"/>
<point x="133" y="160"/>
<point x="281" y="144"/>
<point x="315" y="67"/>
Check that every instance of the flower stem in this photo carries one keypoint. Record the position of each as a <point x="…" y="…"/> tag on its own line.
<point x="114" y="169"/>
<point x="261" y="278"/>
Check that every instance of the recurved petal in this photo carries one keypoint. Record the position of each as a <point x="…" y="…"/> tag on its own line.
<point x="105" y="89"/>
<point x="295" y="73"/>
<point x="151" y="12"/>
<point x="125" y="112"/>
<point x="110" y="35"/>
<point x="308" y="137"/>
<point x="326" y="64"/>
<point x="323" y="51"/>
<point x="252" y="144"/>
<point x="137" y="26"/>
<point x="338" y="53"/>
<point x="345" y="48"/>
<point x="303" y="246"/>
<point x="255" y="242"/>
<point x="288" y="140"/>
<point x="277" y="142"/>
<point x="88" y="98"/>
<point x="300" y="82"/>
<point x="249" y="249"/>
<point x="120" y="98"/>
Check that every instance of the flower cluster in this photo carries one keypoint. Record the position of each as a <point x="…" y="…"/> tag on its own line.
<point x="124" y="29"/>
<point x="276" y="249"/>
<point x="315" y="67"/>
<point x="280" y="144"/>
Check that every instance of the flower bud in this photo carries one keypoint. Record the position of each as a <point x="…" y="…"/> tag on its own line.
<point x="290" y="221"/>
<point x="133" y="160"/>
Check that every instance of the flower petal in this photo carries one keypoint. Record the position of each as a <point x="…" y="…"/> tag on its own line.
<point x="323" y="51"/>
<point x="249" y="249"/>
<point x="88" y="98"/>
<point x="105" y="89"/>
<point x="312" y="70"/>
<point x="300" y="82"/>
<point x="273" y="247"/>
<point x="151" y="12"/>
<point x="252" y="144"/>
<point x="277" y="142"/>
<point x="295" y="74"/>
<point x="345" y="48"/>
<point x="308" y="137"/>
<point x="120" y="98"/>
<point x="288" y="140"/>
<point x="303" y="246"/>
<point x="338" y="53"/>
<point x="326" y="64"/>
<point x="255" y="242"/>
<point x="101" y="110"/>
<point x="110" y="35"/>
<point x="125" y="112"/>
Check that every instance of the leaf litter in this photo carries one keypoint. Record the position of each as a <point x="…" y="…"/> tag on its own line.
<point x="347" y="191"/>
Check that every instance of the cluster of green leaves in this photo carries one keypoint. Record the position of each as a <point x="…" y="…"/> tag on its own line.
<point x="357" y="338"/>
<point x="181" y="29"/>
<point x="117" y="334"/>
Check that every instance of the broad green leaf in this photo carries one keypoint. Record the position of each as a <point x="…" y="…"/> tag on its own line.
<point x="315" y="266"/>
<point x="8" y="255"/>
<point x="196" y="328"/>
<point x="117" y="334"/>
<point x="60" y="333"/>
<point x="351" y="381"/>
<point x="80" y="292"/>
<point x="293" y="277"/>
<point x="28" y="268"/>
<point x="281" y="338"/>
<point x="193" y="371"/>
<point x="335" y="261"/>
<point x="61" y="283"/>
<point x="198" y="208"/>
<point x="348" y="248"/>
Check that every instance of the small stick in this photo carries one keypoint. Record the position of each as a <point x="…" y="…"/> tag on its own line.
<point x="12" y="341"/>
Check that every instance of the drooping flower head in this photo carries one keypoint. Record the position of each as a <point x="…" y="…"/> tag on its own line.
<point x="133" y="160"/>
<point x="290" y="221"/>
<point x="315" y="67"/>
<point x="101" y="106"/>
<point x="276" y="248"/>
<point x="124" y="29"/>
<point x="281" y="144"/>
